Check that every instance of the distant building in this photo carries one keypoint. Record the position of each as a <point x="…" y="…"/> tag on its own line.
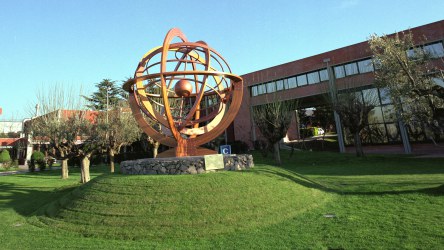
<point x="309" y="79"/>
<point x="12" y="139"/>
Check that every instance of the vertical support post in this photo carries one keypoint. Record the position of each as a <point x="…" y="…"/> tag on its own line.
<point x="339" y="132"/>
<point x="404" y="137"/>
<point x="253" y="125"/>
<point x="333" y="96"/>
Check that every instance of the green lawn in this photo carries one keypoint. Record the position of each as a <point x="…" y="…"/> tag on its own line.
<point x="315" y="201"/>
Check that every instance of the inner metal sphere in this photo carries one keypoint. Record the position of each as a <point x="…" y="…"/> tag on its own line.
<point x="183" y="88"/>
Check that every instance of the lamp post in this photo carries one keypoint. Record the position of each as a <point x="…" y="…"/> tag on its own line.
<point x="108" y="88"/>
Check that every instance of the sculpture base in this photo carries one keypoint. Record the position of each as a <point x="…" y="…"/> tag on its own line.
<point x="183" y="165"/>
<point x="199" y="151"/>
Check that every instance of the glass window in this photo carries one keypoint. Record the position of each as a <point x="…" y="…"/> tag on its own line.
<point x="411" y="53"/>
<point x="376" y="63"/>
<point x="385" y="96"/>
<point x="279" y="85"/>
<point x="254" y="91"/>
<point x="434" y="50"/>
<point x="339" y="71"/>
<point x="365" y="66"/>
<point x="271" y="87"/>
<point x="285" y="83"/>
<point x="313" y="77"/>
<point x="302" y="80"/>
<point x="379" y="134"/>
<point x="351" y="69"/>
<point x="389" y="114"/>
<point x="371" y="96"/>
<point x="438" y="81"/>
<point x="324" y="75"/>
<point x="392" y="132"/>
<point x="292" y="82"/>
<point x="261" y="89"/>
<point x="375" y="116"/>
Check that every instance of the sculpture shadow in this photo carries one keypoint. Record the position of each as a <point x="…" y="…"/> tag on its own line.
<point x="305" y="181"/>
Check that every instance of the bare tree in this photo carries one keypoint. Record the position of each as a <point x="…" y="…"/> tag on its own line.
<point x="353" y="107"/>
<point x="56" y="126"/>
<point x="117" y="128"/>
<point x="273" y="120"/>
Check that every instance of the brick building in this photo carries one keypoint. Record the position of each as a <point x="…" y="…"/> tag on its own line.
<point x="308" y="79"/>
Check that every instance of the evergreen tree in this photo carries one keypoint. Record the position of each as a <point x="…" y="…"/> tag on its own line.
<point x="98" y="99"/>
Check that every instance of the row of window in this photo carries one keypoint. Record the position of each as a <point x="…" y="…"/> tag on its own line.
<point x="358" y="67"/>
<point x="291" y="82"/>
<point x="435" y="50"/>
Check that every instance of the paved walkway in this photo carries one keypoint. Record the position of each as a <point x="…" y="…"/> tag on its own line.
<point x="21" y="170"/>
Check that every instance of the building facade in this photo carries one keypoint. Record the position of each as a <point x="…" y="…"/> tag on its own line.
<point x="309" y="79"/>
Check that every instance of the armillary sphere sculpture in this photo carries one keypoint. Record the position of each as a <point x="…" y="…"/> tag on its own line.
<point x="183" y="94"/>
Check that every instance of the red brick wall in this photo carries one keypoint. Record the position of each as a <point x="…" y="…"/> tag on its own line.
<point x="242" y="123"/>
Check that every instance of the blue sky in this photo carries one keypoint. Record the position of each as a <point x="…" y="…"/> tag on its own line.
<point x="81" y="42"/>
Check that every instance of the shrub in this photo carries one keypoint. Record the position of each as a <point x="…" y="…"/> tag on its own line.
<point x="239" y="147"/>
<point x="5" y="157"/>
<point x="262" y="146"/>
<point x="31" y="166"/>
<point x="306" y="132"/>
<point x="14" y="163"/>
<point x="74" y="161"/>
<point x="37" y="158"/>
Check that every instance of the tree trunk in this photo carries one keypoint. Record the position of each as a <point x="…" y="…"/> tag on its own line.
<point x="277" y="154"/>
<point x="111" y="159"/>
<point x="65" y="169"/>
<point x="155" y="148"/>
<point x="358" y="145"/>
<point x="84" y="173"/>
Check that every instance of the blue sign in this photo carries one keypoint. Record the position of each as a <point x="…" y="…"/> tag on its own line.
<point x="225" y="149"/>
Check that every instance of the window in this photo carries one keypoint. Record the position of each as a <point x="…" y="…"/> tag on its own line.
<point x="254" y="91"/>
<point x="292" y="82"/>
<point x="271" y="87"/>
<point x="285" y="83"/>
<point x="302" y="80"/>
<point x="351" y="69"/>
<point x="313" y="77"/>
<point x="438" y="81"/>
<point x="261" y="89"/>
<point x="434" y="50"/>
<point x="339" y="71"/>
<point x="375" y="116"/>
<point x="389" y="113"/>
<point x="365" y="66"/>
<point x="411" y="53"/>
<point x="324" y="75"/>
<point x="392" y="132"/>
<point x="371" y="96"/>
<point x="279" y="85"/>
<point x="385" y="96"/>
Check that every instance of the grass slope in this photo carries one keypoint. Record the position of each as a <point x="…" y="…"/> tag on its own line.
<point x="379" y="202"/>
<point x="186" y="206"/>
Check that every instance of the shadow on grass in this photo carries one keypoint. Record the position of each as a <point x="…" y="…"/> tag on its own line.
<point x="336" y="164"/>
<point x="26" y="200"/>
<point x="310" y="183"/>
